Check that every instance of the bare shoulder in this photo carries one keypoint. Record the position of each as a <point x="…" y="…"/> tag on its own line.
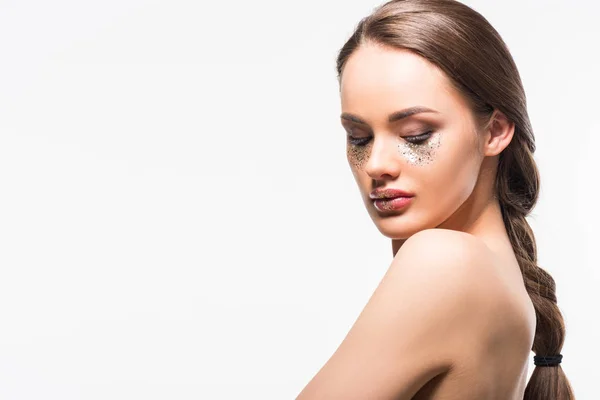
<point x="458" y="256"/>
<point x="484" y="316"/>
<point x="437" y="298"/>
<point x="441" y="243"/>
<point x="471" y="284"/>
<point x="448" y="259"/>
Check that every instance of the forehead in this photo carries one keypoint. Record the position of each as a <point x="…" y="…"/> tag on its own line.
<point x="377" y="80"/>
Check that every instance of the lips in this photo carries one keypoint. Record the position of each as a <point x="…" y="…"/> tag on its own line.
<point x="389" y="193"/>
<point x="391" y="204"/>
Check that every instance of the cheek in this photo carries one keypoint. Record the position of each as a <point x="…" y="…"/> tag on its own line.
<point x="420" y="154"/>
<point x="358" y="156"/>
<point x="450" y="170"/>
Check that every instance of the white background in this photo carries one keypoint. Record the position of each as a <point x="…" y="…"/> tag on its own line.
<point x="177" y="216"/>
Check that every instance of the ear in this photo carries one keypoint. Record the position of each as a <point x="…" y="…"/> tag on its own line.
<point x="499" y="134"/>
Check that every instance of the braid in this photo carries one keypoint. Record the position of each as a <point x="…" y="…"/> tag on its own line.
<point x="517" y="187"/>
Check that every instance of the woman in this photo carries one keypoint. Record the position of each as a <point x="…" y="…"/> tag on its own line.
<point x="440" y="144"/>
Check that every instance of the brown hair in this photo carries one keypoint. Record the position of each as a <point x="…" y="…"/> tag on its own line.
<point x="463" y="44"/>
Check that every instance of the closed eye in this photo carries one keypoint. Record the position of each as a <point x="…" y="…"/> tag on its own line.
<point x="420" y="138"/>
<point x="415" y="139"/>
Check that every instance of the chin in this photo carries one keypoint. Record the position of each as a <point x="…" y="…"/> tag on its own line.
<point x="396" y="227"/>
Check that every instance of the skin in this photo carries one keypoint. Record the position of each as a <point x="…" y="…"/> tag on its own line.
<point x="451" y="318"/>
<point x="454" y="188"/>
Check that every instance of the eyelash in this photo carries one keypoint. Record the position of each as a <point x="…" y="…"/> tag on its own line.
<point x="411" y="139"/>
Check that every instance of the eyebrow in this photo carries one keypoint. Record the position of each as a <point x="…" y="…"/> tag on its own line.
<point x="393" y="117"/>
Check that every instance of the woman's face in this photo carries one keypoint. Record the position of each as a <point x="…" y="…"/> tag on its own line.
<point x="434" y="155"/>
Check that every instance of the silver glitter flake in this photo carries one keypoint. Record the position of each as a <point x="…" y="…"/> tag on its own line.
<point x="420" y="154"/>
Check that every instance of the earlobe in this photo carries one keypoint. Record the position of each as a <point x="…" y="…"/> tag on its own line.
<point x="501" y="132"/>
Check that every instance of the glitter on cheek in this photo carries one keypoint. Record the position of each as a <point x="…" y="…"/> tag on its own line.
<point x="420" y="154"/>
<point x="358" y="155"/>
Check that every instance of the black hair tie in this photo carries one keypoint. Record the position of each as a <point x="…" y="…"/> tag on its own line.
<point x="547" y="361"/>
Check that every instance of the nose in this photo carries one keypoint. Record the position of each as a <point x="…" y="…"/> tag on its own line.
<point x="384" y="160"/>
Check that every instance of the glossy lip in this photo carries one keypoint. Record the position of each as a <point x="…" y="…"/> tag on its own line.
<point x="389" y="193"/>
<point x="386" y="205"/>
